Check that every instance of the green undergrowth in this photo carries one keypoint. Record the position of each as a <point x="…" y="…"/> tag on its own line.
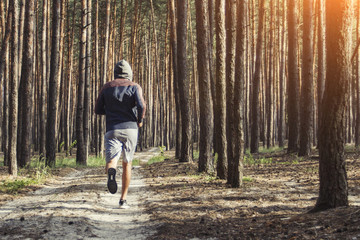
<point x="93" y="161"/>
<point x="247" y="179"/>
<point x="14" y="186"/>
<point x="34" y="174"/>
<point x="156" y="159"/>
<point x="159" y="158"/>
<point x="250" y="160"/>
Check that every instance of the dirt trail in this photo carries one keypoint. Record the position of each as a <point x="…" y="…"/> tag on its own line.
<point x="78" y="206"/>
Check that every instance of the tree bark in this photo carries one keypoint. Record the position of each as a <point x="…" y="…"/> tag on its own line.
<point x="254" y="145"/>
<point x="104" y="72"/>
<point x="184" y="83"/>
<point x="237" y="163"/>
<point x="307" y="85"/>
<point x="293" y="79"/>
<point x="270" y="89"/>
<point x="4" y="74"/>
<point x="44" y="80"/>
<point x="230" y="81"/>
<point x="173" y="41"/>
<point x="333" y="190"/>
<point x="281" y="127"/>
<point x="357" y="126"/>
<point x="122" y="26"/>
<point x="53" y="86"/>
<point x="88" y="77"/>
<point x="81" y="156"/>
<point x="13" y="87"/>
<point x="27" y="80"/>
<point x="97" y="61"/>
<point x="206" y="114"/>
<point x="221" y="88"/>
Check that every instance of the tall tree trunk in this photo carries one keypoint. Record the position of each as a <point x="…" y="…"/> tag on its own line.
<point x="4" y="74"/>
<point x="332" y="171"/>
<point x="183" y="83"/>
<point x="69" y="76"/>
<point x="293" y="79"/>
<point x="81" y="156"/>
<point x="237" y="162"/>
<point x="221" y="88"/>
<point x="230" y="81"/>
<point x="21" y="37"/>
<point x="27" y="80"/>
<point x="61" y="75"/>
<point x="87" y="79"/>
<point x="98" y="118"/>
<point x="211" y="4"/>
<point x="42" y="108"/>
<point x="281" y="126"/>
<point x="13" y="93"/>
<point x="134" y="31"/>
<point x="206" y="114"/>
<point x="357" y="126"/>
<point x="53" y="86"/>
<point x="254" y="145"/>
<point x="307" y="86"/>
<point x="104" y="72"/>
<point x="173" y="40"/>
<point x="270" y="81"/>
<point x="2" y="19"/>
<point x="122" y="26"/>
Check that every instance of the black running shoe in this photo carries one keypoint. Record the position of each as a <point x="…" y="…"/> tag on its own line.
<point x="123" y="204"/>
<point x="111" y="184"/>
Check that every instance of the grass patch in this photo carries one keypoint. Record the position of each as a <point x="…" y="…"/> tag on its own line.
<point x="247" y="179"/>
<point x="65" y="162"/>
<point x="204" y="176"/>
<point x="93" y="161"/>
<point x="36" y="173"/>
<point x="295" y="161"/>
<point x="136" y="162"/>
<point x="351" y="148"/>
<point x="263" y="149"/>
<point x="13" y="186"/>
<point x="156" y="159"/>
<point x="271" y="149"/>
<point x="250" y="160"/>
<point x="196" y="155"/>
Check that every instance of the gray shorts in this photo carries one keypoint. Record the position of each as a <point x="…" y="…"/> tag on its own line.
<point x="121" y="141"/>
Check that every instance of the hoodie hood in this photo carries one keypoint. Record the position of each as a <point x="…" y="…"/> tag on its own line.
<point x="123" y="70"/>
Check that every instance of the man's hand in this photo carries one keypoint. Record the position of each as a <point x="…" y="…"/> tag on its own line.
<point x="140" y="125"/>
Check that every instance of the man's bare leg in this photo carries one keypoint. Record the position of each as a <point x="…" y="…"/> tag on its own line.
<point x="126" y="176"/>
<point x="111" y="164"/>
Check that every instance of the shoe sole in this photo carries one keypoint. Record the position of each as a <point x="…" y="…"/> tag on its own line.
<point x="125" y="207"/>
<point x="111" y="184"/>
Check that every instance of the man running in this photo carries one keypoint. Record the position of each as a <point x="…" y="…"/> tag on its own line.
<point x="122" y="102"/>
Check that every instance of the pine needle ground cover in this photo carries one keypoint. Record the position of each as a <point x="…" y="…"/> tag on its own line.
<point x="278" y="191"/>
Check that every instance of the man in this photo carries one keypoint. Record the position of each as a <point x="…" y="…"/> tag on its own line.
<point x="122" y="102"/>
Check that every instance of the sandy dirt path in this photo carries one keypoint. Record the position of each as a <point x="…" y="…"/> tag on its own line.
<point x="79" y="206"/>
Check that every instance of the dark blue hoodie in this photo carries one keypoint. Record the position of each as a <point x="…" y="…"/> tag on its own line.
<point x="121" y="100"/>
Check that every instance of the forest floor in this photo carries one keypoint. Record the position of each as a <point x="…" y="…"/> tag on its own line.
<point x="171" y="200"/>
<point x="279" y="189"/>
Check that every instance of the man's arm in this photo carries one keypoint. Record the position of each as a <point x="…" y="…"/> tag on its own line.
<point x="140" y="104"/>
